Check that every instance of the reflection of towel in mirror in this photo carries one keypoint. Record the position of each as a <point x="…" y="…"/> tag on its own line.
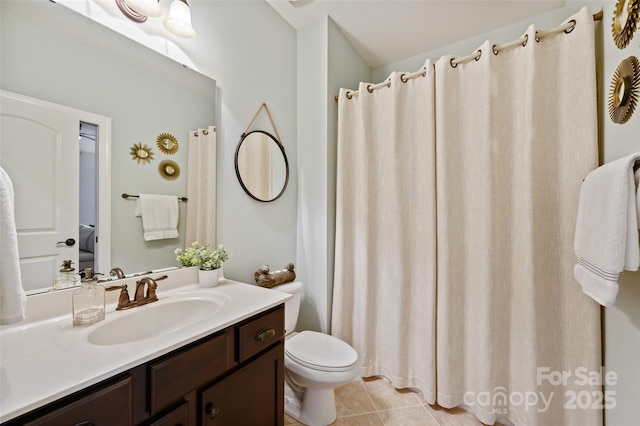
<point x="12" y="296"/>
<point x="606" y="239"/>
<point x="159" y="216"/>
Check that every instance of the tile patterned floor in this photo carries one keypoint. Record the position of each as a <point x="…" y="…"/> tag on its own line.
<point x="374" y="402"/>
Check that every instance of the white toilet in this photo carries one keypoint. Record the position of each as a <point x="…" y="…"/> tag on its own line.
<point x="315" y="364"/>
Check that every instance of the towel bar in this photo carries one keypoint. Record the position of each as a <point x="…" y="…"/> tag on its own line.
<point x="126" y="196"/>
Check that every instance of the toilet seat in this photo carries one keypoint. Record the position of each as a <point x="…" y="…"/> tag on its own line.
<point x="320" y="352"/>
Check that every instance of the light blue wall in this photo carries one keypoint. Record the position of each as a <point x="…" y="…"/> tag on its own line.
<point x="326" y="62"/>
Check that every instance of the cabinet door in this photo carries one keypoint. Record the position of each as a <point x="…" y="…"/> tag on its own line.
<point x="252" y="396"/>
<point x="110" y="405"/>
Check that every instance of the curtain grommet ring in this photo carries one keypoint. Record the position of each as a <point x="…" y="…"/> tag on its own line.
<point x="388" y="84"/>
<point x="495" y="50"/>
<point x="349" y="95"/>
<point x="477" y="58"/>
<point x="453" y="65"/>
<point x="403" y="78"/>
<point x="205" y="132"/>
<point x="526" y="40"/>
<point x="369" y="89"/>
<point x="424" y="72"/>
<point x="568" y="30"/>
<point x="537" y="38"/>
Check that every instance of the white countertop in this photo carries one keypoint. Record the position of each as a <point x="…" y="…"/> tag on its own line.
<point x="45" y="359"/>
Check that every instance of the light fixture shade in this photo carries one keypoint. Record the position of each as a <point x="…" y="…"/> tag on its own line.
<point x="179" y="20"/>
<point x="146" y="7"/>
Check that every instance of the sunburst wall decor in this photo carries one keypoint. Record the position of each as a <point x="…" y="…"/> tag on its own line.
<point x="624" y="90"/>
<point x="625" y="17"/>
<point x="167" y="143"/>
<point x="141" y="153"/>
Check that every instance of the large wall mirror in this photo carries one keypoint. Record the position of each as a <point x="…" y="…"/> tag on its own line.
<point x="54" y="54"/>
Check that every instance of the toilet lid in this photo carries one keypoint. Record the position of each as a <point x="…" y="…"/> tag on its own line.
<point x="320" y="351"/>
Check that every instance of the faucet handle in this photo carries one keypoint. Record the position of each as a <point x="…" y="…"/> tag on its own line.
<point x="123" y="302"/>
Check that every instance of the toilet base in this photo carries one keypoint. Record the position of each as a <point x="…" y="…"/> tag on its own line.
<point x="312" y="407"/>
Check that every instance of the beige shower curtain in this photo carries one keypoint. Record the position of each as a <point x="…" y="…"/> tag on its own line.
<point x="384" y="291"/>
<point x="201" y="187"/>
<point x="516" y="134"/>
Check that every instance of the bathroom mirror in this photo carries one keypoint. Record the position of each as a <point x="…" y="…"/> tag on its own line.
<point x="261" y="166"/>
<point x="46" y="54"/>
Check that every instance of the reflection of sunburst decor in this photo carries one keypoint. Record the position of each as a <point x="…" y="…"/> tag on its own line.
<point x="167" y="143"/>
<point x="625" y="17"/>
<point x="141" y="153"/>
<point x="169" y="169"/>
<point x="624" y="90"/>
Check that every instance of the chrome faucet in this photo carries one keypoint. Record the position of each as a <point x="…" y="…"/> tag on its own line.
<point x="117" y="272"/>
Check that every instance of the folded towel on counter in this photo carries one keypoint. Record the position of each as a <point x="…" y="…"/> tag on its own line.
<point x="606" y="238"/>
<point x="13" y="299"/>
<point x="159" y="216"/>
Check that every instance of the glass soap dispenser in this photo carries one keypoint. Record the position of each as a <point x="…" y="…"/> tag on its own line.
<point x="88" y="301"/>
<point x="68" y="277"/>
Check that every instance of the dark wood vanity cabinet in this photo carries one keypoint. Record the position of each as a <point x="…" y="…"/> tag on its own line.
<point x="232" y="377"/>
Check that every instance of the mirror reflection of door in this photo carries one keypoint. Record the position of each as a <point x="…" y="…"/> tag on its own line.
<point x="39" y="151"/>
<point x="56" y="159"/>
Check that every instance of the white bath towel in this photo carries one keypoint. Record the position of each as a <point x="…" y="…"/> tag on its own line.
<point x="12" y="296"/>
<point x="606" y="239"/>
<point x="159" y="216"/>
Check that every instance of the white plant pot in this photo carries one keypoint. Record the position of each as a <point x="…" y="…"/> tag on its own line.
<point x="208" y="278"/>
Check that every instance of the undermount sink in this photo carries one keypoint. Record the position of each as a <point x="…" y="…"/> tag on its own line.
<point x="155" y="319"/>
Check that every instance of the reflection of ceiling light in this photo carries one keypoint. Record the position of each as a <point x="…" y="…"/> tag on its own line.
<point x="146" y="7"/>
<point x="178" y="22"/>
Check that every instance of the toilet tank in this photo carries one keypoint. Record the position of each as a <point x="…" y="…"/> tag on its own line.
<point x="292" y="304"/>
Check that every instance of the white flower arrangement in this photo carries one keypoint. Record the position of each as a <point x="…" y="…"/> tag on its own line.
<point x="202" y="256"/>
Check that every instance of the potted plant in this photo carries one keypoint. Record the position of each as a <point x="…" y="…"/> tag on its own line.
<point x="208" y="261"/>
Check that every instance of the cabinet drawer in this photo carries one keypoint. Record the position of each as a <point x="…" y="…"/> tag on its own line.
<point x="174" y="377"/>
<point x="110" y="405"/>
<point x="259" y="333"/>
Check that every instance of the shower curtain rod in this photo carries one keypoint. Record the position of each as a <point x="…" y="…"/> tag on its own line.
<point x="568" y="27"/>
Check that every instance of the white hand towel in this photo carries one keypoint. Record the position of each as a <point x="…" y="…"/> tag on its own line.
<point x="13" y="299"/>
<point x="606" y="239"/>
<point x="159" y="216"/>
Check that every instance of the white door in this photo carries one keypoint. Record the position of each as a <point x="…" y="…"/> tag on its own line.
<point x="39" y="151"/>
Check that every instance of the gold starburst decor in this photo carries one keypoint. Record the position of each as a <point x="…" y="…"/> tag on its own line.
<point x="624" y="90"/>
<point x="167" y="143"/>
<point x="625" y="17"/>
<point x="141" y="153"/>
<point x="169" y="169"/>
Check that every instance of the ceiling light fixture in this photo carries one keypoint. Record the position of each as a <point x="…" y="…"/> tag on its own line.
<point x="178" y="22"/>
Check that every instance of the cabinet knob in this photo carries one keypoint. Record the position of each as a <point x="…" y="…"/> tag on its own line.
<point x="212" y="411"/>
<point x="266" y="334"/>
